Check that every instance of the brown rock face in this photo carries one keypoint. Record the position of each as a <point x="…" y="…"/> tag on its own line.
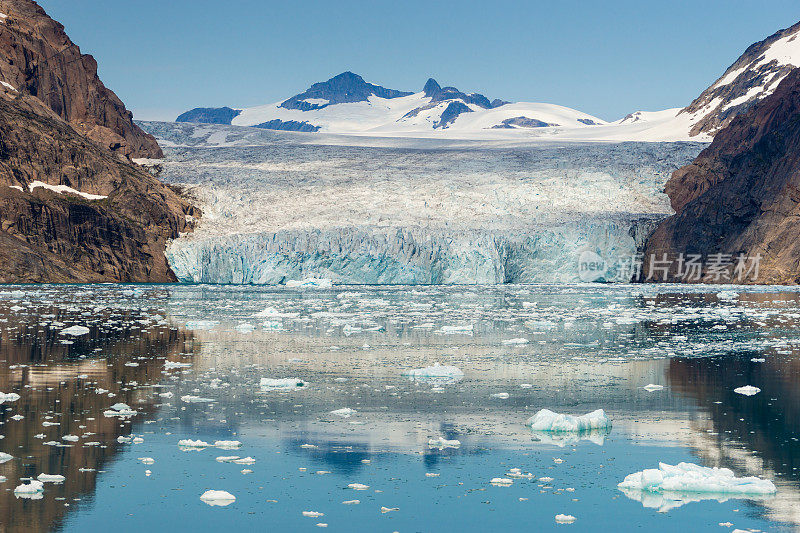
<point x="741" y="196"/>
<point x="38" y="59"/>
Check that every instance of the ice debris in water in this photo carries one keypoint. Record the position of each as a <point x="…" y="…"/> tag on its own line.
<point x="512" y="342"/>
<point x="270" y="384"/>
<point x="189" y="398"/>
<point x="501" y="482"/>
<point x="357" y="486"/>
<point x="10" y="397"/>
<point x="692" y="478"/>
<point x="452" y="330"/>
<point x="747" y="390"/>
<point x="727" y="295"/>
<point x="652" y="387"/>
<point x="75" y="331"/>
<point x="218" y="498"/>
<point x="4" y="457"/>
<point x="227" y="444"/>
<point x="119" y="409"/>
<point x="546" y="420"/>
<point x="565" y="518"/>
<point x="50" y="478"/>
<point x="313" y="514"/>
<point x="344" y="413"/>
<point x="169" y="365"/>
<point x="193" y="444"/>
<point x="443" y="443"/>
<point x="315" y="283"/>
<point x="436" y="374"/>
<point x="33" y="487"/>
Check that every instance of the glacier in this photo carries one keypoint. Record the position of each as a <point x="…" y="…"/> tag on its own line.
<point x="287" y="206"/>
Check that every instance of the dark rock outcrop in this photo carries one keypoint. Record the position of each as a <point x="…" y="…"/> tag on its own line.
<point x="522" y="122"/>
<point x="38" y="59"/>
<point x="450" y="114"/>
<point x="344" y="88"/>
<point x="107" y="219"/>
<point x="209" y="115"/>
<point x="287" y="125"/>
<point x="740" y="197"/>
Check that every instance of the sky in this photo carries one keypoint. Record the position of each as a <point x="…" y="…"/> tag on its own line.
<point x="163" y="57"/>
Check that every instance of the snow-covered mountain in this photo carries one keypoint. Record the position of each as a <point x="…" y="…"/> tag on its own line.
<point x="348" y="104"/>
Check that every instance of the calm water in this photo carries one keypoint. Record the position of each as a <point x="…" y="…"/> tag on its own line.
<point x="588" y="347"/>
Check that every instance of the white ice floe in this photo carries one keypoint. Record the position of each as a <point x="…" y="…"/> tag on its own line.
<point x="357" y="486"/>
<point x="747" y="390"/>
<point x="440" y="374"/>
<point x="501" y="481"/>
<point x="313" y="514"/>
<point x="189" y="398"/>
<point x="345" y="412"/>
<point x="652" y="387"/>
<point x="453" y="330"/>
<point x="217" y="498"/>
<point x="727" y="295"/>
<point x="32" y="488"/>
<point x="9" y="397"/>
<point x="120" y="409"/>
<point x="227" y="444"/>
<point x="512" y="342"/>
<point x="565" y="518"/>
<point x="286" y="384"/>
<point x="4" y="457"/>
<point x="314" y="283"/>
<point x="443" y="443"/>
<point x="50" y="478"/>
<point x="501" y="395"/>
<point x="169" y="365"/>
<point x="75" y="331"/>
<point x="692" y="478"/>
<point x="546" y="420"/>
<point x="190" y="444"/>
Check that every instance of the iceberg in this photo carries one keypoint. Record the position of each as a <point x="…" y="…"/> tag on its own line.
<point x="219" y="498"/>
<point x="10" y="397"/>
<point x="75" y="331"/>
<point x="315" y="283"/>
<point x="747" y="390"/>
<point x="436" y="374"/>
<point x="548" y="421"/>
<point x="283" y="384"/>
<point x="31" y="489"/>
<point x="670" y="486"/>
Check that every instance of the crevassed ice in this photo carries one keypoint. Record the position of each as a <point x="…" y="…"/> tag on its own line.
<point x="692" y="478"/>
<point x="280" y="208"/>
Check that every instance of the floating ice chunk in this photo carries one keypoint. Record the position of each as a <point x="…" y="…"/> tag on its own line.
<point x="385" y="510"/>
<point x="440" y="374"/>
<point x="169" y="365"/>
<point x="33" y="487"/>
<point x="70" y="438"/>
<point x="269" y="384"/>
<point x="188" y="398"/>
<point x="119" y="409"/>
<point x="227" y="444"/>
<point x="501" y="395"/>
<point x="512" y="342"/>
<point x="17" y="417"/>
<point x="50" y="478"/>
<point x="4" y="457"/>
<point x="10" y="397"/>
<point x="747" y="390"/>
<point x="443" y="443"/>
<point x="652" y="387"/>
<point x="190" y="444"/>
<point x="245" y="328"/>
<point x="357" y="486"/>
<point x="201" y="324"/>
<point x="692" y="478"/>
<point x="244" y="461"/>
<point x="147" y="460"/>
<point x="516" y="473"/>
<point x="344" y="413"/>
<point x="75" y="331"/>
<point x="757" y="360"/>
<point x="454" y="330"/>
<point x="313" y="514"/>
<point x="501" y="481"/>
<point x="313" y="283"/>
<point x="271" y="312"/>
<point x="351" y="502"/>
<point x="227" y="458"/>
<point x="727" y="295"/>
<point x="218" y="498"/>
<point x="546" y="420"/>
<point x="565" y="518"/>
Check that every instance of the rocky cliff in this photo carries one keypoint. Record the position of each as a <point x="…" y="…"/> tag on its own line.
<point x="38" y="59"/>
<point x="739" y="198"/>
<point x="73" y="208"/>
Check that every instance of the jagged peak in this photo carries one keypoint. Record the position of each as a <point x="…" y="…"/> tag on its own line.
<point x="431" y="88"/>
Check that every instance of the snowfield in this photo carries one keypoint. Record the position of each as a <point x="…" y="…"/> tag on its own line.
<point x="286" y="206"/>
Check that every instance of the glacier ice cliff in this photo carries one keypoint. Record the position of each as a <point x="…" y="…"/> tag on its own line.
<point x="282" y="206"/>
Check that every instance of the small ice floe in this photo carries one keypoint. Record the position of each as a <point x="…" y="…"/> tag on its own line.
<point x="227" y="458"/>
<point x="281" y="384"/>
<point x="747" y="390"/>
<point x="17" y="417"/>
<point x="312" y="283"/>
<point x="344" y="413"/>
<point x="169" y="365"/>
<point x="10" y="397"/>
<point x="501" y="395"/>
<point x="652" y="387"/>
<point x="227" y="444"/>
<point x="439" y="374"/>
<point x="217" y="498"/>
<point x="565" y="519"/>
<point x="727" y="295"/>
<point x="442" y="443"/>
<point x="4" y="457"/>
<point x="457" y="330"/>
<point x="312" y="514"/>
<point x="516" y="473"/>
<point x="501" y="481"/>
<point x="70" y="438"/>
<point x="75" y="331"/>
<point x="189" y="398"/>
<point x="32" y="490"/>
<point x="515" y="342"/>
<point x="271" y="312"/>
<point x="525" y="386"/>
<point x="546" y="479"/>
<point x="245" y="328"/>
<point x="50" y="478"/>
<point x="385" y="510"/>
<point x="119" y="409"/>
<point x="189" y="444"/>
<point x="146" y="460"/>
<point x="357" y="486"/>
<point x="757" y="360"/>
<point x="244" y="461"/>
<point x="351" y="502"/>
<point x="201" y="324"/>
<point x="546" y="420"/>
<point x="671" y="486"/>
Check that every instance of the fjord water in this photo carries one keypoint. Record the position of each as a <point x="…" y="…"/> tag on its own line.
<point x="189" y="360"/>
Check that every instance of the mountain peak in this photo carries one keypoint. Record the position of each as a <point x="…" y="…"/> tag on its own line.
<point x="343" y="88"/>
<point x="431" y="88"/>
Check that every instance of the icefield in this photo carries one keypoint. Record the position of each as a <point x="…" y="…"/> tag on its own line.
<point x="283" y="207"/>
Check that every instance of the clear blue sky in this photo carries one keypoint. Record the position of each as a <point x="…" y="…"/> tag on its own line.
<point x="605" y="58"/>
